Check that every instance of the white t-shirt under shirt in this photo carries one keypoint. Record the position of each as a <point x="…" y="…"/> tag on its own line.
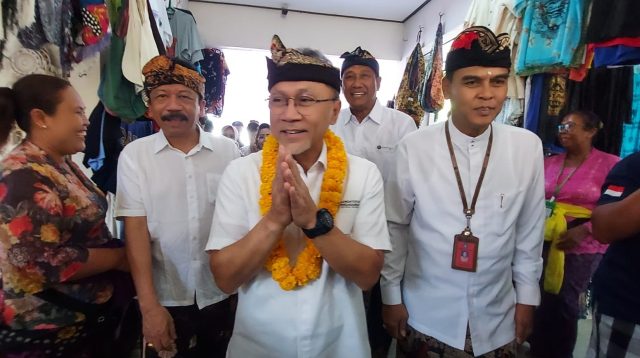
<point x="176" y="192"/>
<point x="324" y="318"/>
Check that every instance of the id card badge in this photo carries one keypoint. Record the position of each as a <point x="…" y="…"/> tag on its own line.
<point x="550" y="206"/>
<point x="465" y="252"/>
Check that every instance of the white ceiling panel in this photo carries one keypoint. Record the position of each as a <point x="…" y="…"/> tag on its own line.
<point x="390" y="10"/>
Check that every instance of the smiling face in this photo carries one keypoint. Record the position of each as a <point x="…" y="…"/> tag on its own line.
<point x="360" y="85"/>
<point x="66" y="128"/>
<point x="301" y="129"/>
<point x="476" y="94"/>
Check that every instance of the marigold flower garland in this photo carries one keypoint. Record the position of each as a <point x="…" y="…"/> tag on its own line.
<point x="309" y="263"/>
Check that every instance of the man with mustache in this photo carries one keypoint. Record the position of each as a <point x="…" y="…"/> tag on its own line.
<point x="166" y="194"/>
<point x="465" y="207"/>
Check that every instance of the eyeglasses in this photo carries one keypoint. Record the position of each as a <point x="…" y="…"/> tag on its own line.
<point x="566" y="127"/>
<point x="302" y="103"/>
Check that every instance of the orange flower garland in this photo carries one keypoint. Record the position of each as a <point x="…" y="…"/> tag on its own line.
<point x="309" y="263"/>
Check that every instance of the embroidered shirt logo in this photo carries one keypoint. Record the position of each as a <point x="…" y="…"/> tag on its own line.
<point x="353" y="204"/>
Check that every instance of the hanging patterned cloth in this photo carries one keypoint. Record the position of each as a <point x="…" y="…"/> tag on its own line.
<point x="407" y="99"/>
<point x="431" y="96"/>
<point x="8" y="20"/>
<point x="95" y="32"/>
<point x="215" y="71"/>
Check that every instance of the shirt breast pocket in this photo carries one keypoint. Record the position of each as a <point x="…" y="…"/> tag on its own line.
<point x="505" y="206"/>
<point x="212" y="187"/>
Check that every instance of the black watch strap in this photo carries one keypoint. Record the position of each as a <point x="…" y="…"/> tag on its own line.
<point x="324" y="224"/>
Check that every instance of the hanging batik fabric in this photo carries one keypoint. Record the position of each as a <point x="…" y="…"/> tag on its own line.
<point x="215" y="72"/>
<point x="407" y="99"/>
<point x="431" y="96"/>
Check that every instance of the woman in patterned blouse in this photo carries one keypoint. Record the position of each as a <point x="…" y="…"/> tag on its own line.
<point x="52" y="229"/>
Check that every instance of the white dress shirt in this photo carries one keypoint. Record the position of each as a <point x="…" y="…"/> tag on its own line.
<point x="376" y="137"/>
<point x="326" y="317"/>
<point x="424" y="210"/>
<point x="177" y="194"/>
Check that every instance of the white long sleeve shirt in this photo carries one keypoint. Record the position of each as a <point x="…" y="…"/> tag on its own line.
<point x="376" y="137"/>
<point x="424" y="212"/>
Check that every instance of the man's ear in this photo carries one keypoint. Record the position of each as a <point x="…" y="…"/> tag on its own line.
<point x="203" y="104"/>
<point x="446" y="87"/>
<point x="337" y="104"/>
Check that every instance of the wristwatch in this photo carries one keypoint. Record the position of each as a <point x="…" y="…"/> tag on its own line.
<point x="324" y="224"/>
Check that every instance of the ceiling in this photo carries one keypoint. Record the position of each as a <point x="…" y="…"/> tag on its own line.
<point x="389" y="10"/>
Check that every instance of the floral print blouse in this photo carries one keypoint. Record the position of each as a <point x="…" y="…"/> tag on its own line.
<point x="50" y="214"/>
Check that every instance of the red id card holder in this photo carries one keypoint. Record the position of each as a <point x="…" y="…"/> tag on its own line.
<point x="465" y="252"/>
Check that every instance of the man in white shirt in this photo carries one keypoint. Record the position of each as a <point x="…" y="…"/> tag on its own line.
<point x="166" y="195"/>
<point x="301" y="197"/>
<point x="371" y="131"/>
<point x="462" y="279"/>
<point x="368" y="129"/>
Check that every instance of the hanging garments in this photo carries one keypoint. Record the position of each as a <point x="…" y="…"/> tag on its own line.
<point x="8" y="20"/>
<point x="140" y="45"/>
<point x="407" y="99"/>
<point x="215" y="71"/>
<point x="95" y="30"/>
<point x="115" y="91"/>
<point x="187" y="43"/>
<point x="631" y="131"/>
<point x="608" y="93"/>
<point x="162" y="21"/>
<point x="613" y="19"/>
<point x="431" y="96"/>
<point x="551" y="30"/>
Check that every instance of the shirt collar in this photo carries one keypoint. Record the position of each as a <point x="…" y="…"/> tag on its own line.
<point x="322" y="160"/>
<point x="463" y="140"/>
<point x="204" y="140"/>
<point x="375" y="115"/>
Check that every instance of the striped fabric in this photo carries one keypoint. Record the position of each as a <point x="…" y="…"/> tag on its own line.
<point x="613" y="338"/>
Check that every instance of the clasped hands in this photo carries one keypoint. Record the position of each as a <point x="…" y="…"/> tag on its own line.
<point x="290" y="197"/>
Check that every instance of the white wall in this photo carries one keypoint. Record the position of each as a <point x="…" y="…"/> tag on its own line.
<point x="453" y="19"/>
<point x="237" y="26"/>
